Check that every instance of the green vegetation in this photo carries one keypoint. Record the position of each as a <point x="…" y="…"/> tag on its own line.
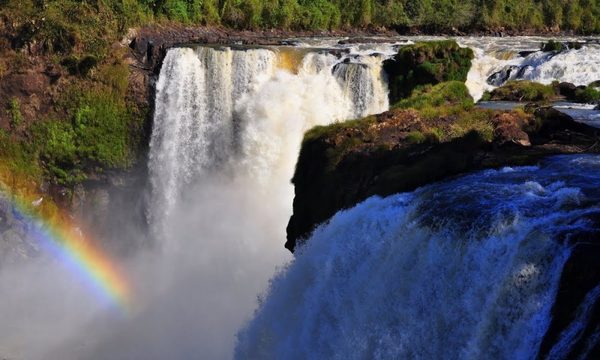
<point x="552" y="46"/>
<point x="531" y="91"/>
<point x="587" y="95"/>
<point x="522" y="91"/>
<point x="94" y="128"/>
<point x="80" y="67"/>
<point x="447" y="112"/>
<point x="62" y="26"/>
<point x="14" y="111"/>
<point x="557" y="46"/>
<point x="426" y="63"/>
<point x="451" y="93"/>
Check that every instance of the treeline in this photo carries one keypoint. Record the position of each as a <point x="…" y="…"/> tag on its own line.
<point x="582" y="16"/>
<point x="59" y="24"/>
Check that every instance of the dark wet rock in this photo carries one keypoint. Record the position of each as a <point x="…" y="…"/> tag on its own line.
<point x="526" y="53"/>
<point x="580" y="275"/>
<point x="500" y="77"/>
<point x="567" y="90"/>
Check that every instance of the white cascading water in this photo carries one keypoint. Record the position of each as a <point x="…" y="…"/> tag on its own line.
<point x="467" y="268"/>
<point x="227" y="132"/>
<point x="580" y="67"/>
<point x="220" y="110"/>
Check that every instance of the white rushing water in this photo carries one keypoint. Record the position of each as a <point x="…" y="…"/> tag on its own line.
<point x="580" y="67"/>
<point x="240" y="112"/>
<point x="467" y="268"/>
<point x="227" y="132"/>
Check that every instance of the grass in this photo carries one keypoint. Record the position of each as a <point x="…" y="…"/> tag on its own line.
<point x="14" y="111"/>
<point x="522" y="90"/>
<point x="450" y="93"/>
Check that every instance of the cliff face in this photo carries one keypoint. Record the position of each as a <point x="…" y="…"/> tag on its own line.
<point x="342" y="165"/>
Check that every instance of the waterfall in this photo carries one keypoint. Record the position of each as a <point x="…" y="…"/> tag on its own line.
<point x="493" y="68"/>
<point x="468" y="268"/>
<point x="227" y="131"/>
<point x="235" y="111"/>
<point x="194" y="125"/>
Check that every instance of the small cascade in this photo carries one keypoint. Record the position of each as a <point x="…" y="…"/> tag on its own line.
<point x="362" y="84"/>
<point x="491" y="69"/>
<point x="194" y="129"/>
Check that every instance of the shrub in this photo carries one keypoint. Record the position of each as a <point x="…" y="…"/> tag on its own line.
<point x="80" y="67"/>
<point x="14" y="111"/>
<point x="523" y="91"/>
<point x="587" y="95"/>
<point x="552" y="46"/>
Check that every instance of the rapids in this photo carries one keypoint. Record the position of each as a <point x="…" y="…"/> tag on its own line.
<point x="467" y="268"/>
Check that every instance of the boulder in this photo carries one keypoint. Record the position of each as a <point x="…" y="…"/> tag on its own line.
<point x="500" y="77"/>
<point x="567" y="90"/>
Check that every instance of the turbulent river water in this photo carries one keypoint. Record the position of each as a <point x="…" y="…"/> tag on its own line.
<point x="467" y="268"/>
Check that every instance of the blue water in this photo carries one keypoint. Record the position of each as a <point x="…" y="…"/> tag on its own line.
<point x="467" y="268"/>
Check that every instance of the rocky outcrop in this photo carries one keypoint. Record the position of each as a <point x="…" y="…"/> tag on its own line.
<point x="425" y="63"/>
<point x="580" y="277"/>
<point x="523" y="91"/>
<point x="343" y="164"/>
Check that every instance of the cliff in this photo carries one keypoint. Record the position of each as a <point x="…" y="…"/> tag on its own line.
<point x="400" y="150"/>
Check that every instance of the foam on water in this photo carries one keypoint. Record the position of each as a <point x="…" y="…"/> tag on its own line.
<point x="467" y="268"/>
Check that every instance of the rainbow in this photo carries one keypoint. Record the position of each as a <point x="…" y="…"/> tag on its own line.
<point x="66" y="243"/>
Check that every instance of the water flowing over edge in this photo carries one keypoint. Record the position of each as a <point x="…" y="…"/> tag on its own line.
<point x="476" y="258"/>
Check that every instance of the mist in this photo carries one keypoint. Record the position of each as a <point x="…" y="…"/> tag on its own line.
<point x="190" y="295"/>
<point x="201" y="234"/>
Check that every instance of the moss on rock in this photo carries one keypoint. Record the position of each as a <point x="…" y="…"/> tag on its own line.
<point x="523" y="90"/>
<point x="450" y="93"/>
<point x="425" y="63"/>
